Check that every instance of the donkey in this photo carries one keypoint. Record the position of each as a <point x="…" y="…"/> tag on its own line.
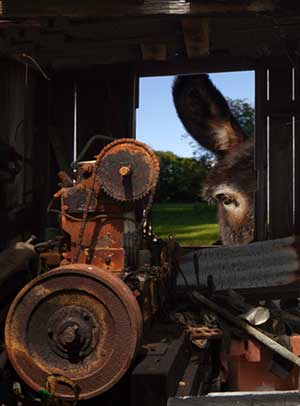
<point x="231" y="182"/>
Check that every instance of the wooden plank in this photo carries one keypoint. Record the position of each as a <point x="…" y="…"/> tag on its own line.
<point x="196" y="36"/>
<point x="261" y="215"/>
<point x="196" y="65"/>
<point x="154" y="52"/>
<point x="16" y="105"/>
<point x="275" y="398"/>
<point x="233" y="6"/>
<point x="16" y="120"/>
<point x="133" y="103"/>
<point x="4" y="139"/>
<point x="54" y="110"/>
<point x="297" y="151"/>
<point x="106" y="102"/>
<point x="62" y="119"/>
<point x="281" y="177"/>
<point x="222" y="63"/>
<point x="94" y="112"/>
<point x="118" y="8"/>
<point x="107" y="8"/>
<point x="29" y="132"/>
<point x="281" y="156"/>
<point x="42" y="162"/>
<point x="281" y="85"/>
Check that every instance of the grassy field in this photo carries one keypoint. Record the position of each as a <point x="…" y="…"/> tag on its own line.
<point x="193" y="224"/>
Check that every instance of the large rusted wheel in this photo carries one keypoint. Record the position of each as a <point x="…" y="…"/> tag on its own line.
<point x="76" y="322"/>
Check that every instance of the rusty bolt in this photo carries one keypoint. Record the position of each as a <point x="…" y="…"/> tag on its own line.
<point x="69" y="335"/>
<point x="125" y="170"/>
<point x="86" y="168"/>
<point x="107" y="260"/>
<point x="58" y="194"/>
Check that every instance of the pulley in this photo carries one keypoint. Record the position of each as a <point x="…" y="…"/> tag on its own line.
<point x="77" y="322"/>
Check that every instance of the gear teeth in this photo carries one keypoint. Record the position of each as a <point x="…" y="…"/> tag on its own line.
<point x="132" y="147"/>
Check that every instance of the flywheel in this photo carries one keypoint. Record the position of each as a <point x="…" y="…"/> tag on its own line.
<point x="128" y="169"/>
<point x="76" y="324"/>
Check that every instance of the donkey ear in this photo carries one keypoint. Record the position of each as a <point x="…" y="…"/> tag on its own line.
<point x="205" y="114"/>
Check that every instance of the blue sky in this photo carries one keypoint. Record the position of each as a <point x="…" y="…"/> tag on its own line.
<point x="157" y="121"/>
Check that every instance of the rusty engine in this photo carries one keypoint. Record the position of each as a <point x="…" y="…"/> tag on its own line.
<point x="75" y="328"/>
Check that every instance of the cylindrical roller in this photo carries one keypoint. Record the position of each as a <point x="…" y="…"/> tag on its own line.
<point x="78" y="322"/>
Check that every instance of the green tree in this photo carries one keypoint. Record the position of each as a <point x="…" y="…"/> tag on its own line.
<point x="180" y="178"/>
<point x="245" y="114"/>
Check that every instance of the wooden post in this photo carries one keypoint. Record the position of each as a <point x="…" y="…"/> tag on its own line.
<point x="41" y="158"/>
<point x="280" y="106"/>
<point x="296" y="116"/>
<point x="196" y="36"/>
<point x="16" y="99"/>
<point x="261" y="158"/>
<point x="275" y="109"/>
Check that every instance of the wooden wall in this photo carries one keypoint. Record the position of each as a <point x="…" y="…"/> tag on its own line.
<point x="277" y="151"/>
<point x="37" y="119"/>
<point x="106" y="103"/>
<point x="17" y="84"/>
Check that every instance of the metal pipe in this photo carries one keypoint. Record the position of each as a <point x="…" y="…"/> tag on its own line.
<point x="261" y="337"/>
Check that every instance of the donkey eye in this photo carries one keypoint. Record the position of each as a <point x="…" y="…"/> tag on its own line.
<point x="226" y="199"/>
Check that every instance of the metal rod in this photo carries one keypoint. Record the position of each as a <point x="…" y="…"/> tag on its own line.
<point x="87" y="146"/>
<point x="261" y="337"/>
<point x="196" y="269"/>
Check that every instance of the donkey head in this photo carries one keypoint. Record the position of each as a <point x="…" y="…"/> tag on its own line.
<point x="231" y="182"/>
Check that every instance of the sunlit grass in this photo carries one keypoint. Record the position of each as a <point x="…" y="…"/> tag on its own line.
<point x="192" y="224"/>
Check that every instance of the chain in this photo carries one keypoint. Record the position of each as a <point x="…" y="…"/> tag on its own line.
<point x="144" y="221"/>
<point x="86" y="212"/>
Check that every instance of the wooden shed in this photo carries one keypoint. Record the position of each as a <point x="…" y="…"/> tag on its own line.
<point x="70" y="71"/>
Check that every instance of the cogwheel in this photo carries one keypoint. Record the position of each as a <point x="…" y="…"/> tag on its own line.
<point x="127" y="169"/>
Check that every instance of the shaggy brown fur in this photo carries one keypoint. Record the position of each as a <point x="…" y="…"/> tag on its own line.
<point x="231" y="182"/>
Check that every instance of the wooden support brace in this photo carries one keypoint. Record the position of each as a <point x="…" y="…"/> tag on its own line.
<point x="196" y="36"/>
<point x="154" y="52"/>
<point x="231" y="6"/>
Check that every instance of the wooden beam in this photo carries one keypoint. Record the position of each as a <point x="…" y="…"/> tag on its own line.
<point x="105" y="104"/>
<point x="275" y="398"/>
<point x="231" y="7"/>
<point x="261" y="155"/>
<point x="119" y="8"/>
<point x="105" y="8"/>
<point x="196" y="36"/>
<point x="224" y="63"/>
<point x="209" y="64"/>
<point x="280" y="155"/>
<point x="154" y="52"/>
